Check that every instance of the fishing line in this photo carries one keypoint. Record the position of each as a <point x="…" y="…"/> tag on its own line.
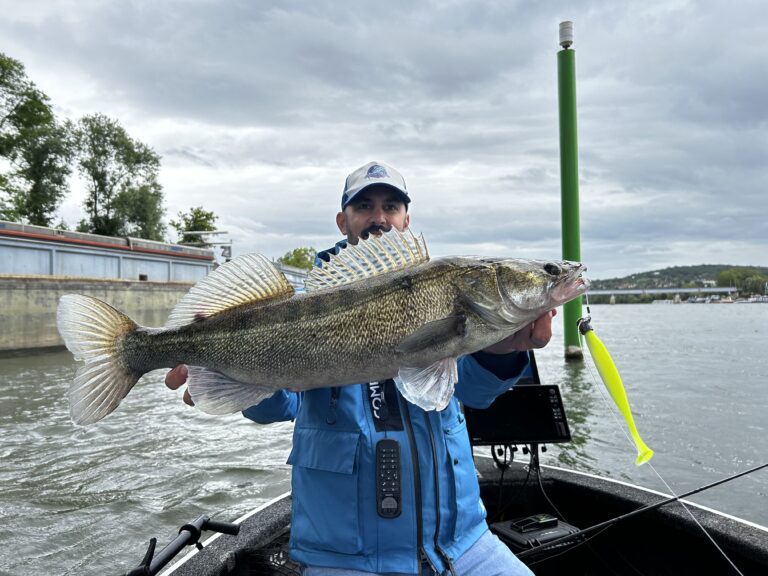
<point x="688" y="510"/>
<point x="631" y="442"/>
<point x="534" y="463"/>
<point x="643" y="509"/>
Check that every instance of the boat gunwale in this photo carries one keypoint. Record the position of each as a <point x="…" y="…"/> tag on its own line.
<point x="171" y="568"/>
<point x="742" y="534"/>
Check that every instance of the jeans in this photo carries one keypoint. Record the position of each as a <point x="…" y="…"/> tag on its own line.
<point x="487" y="557"/>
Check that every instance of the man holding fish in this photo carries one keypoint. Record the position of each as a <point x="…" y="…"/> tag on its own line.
<point x="380" y="484"/>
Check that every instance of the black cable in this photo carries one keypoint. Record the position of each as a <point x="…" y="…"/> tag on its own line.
<point x="514" y="496"/>
<point x="504" y="465"/>
<point x="535" y="461"/>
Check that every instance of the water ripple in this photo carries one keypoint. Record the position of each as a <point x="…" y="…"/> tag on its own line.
<point x="80" y="500"/>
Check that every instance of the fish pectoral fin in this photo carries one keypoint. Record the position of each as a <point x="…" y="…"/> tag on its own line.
<point x="433" y="334"/>
<point x="429" y="388"/>
<point x="217" y="393"/>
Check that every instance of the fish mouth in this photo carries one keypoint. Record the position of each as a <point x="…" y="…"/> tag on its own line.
<point x="580" y="281"/>
<point x="553" y="284"/>
<point x="572" y="285"/>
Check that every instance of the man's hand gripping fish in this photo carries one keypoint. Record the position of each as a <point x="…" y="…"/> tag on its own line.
<point x="380" y="309"/>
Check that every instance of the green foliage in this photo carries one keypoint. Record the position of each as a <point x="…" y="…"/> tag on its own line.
<point x="196" y="220"/>
<point x="43" y="168"/>
<point x="299" y="258"/>
<point x="120" y="173"/>
<point x="140" y="211"/>
<point x="15" y="90"/>
<point x="37" y="148"/>
<point x="756" y="285"/>
<point x="7" y="211"/>
<point x="747" y="279"/>
<point x="673" y="277"/>
<point x="625" y="298"/>
<point x="124" y="196"/>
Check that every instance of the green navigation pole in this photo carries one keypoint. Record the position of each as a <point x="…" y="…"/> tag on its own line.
<point x="569" y="179"/>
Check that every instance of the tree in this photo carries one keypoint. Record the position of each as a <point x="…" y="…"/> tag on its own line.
<point x="299" y="258"/>
<point x="114" y="164"/>
<point x="42" y="168"/>
<point x="7" y="212"/>
<point x="196" y="220"/>
<point x="756" y="284"/>
<point x="140" y="211"/>
<point x="37" y="148"/>
<point x="746" y="279"/>
<point x="735" y="276"/>
<point x="16" y="91"/>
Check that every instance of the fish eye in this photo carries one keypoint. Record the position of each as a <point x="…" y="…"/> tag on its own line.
<point x="552" y="269"/>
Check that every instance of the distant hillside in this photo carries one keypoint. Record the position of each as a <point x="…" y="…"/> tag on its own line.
<point x="676" y="276"/>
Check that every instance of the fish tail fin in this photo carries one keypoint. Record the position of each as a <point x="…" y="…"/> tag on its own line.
<point x="92" y="331"/>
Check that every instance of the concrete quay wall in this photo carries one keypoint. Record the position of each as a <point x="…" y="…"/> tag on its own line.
<point x="28" y="305"/>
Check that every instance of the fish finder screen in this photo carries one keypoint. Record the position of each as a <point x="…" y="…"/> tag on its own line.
<point x="522" y="415"/>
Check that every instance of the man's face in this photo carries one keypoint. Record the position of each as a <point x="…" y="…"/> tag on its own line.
<point x="373" y="211"/>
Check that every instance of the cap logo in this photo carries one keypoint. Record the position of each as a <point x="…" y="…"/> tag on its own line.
<point x="377" y="171"/>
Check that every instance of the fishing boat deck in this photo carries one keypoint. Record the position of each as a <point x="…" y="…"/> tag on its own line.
<point x="661" y="541"/>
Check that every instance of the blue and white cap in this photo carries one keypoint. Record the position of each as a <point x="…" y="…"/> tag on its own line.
<point x="373" y="174"/>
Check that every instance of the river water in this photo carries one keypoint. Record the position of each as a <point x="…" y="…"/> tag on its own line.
<point x="79" y="500"/>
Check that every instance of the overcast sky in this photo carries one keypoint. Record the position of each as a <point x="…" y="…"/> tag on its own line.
<point x="260" y="110"/>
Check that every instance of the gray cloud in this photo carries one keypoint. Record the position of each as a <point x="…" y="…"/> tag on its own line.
<point x="260" y="109"/>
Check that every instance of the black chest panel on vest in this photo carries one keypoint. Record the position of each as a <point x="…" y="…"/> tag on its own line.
<point x="382" y="397"/>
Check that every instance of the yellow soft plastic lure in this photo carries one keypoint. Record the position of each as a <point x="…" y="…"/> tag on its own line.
<point x="610" y="376"/>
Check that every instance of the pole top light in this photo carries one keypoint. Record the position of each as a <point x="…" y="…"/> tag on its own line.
<point x="566" y="34"/>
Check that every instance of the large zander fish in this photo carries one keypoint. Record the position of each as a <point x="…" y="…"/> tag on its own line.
<point x="380" y="309"/>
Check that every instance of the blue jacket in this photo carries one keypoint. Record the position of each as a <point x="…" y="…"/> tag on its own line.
<point x="335" y="520"/>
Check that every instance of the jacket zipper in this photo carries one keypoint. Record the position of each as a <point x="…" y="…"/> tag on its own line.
<point x="421" y="554"/>
<point x="445" y="558"/>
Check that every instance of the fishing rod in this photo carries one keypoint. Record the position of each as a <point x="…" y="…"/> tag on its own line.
<point x="646" y="508"/>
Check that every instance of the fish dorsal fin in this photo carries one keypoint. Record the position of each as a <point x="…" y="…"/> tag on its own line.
<point x="244" y="280"/>
<point x="393" y="250"/>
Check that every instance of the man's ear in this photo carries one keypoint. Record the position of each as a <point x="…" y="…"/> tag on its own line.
<point x="407" y="220"/>
<point x="341" y="222"/>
